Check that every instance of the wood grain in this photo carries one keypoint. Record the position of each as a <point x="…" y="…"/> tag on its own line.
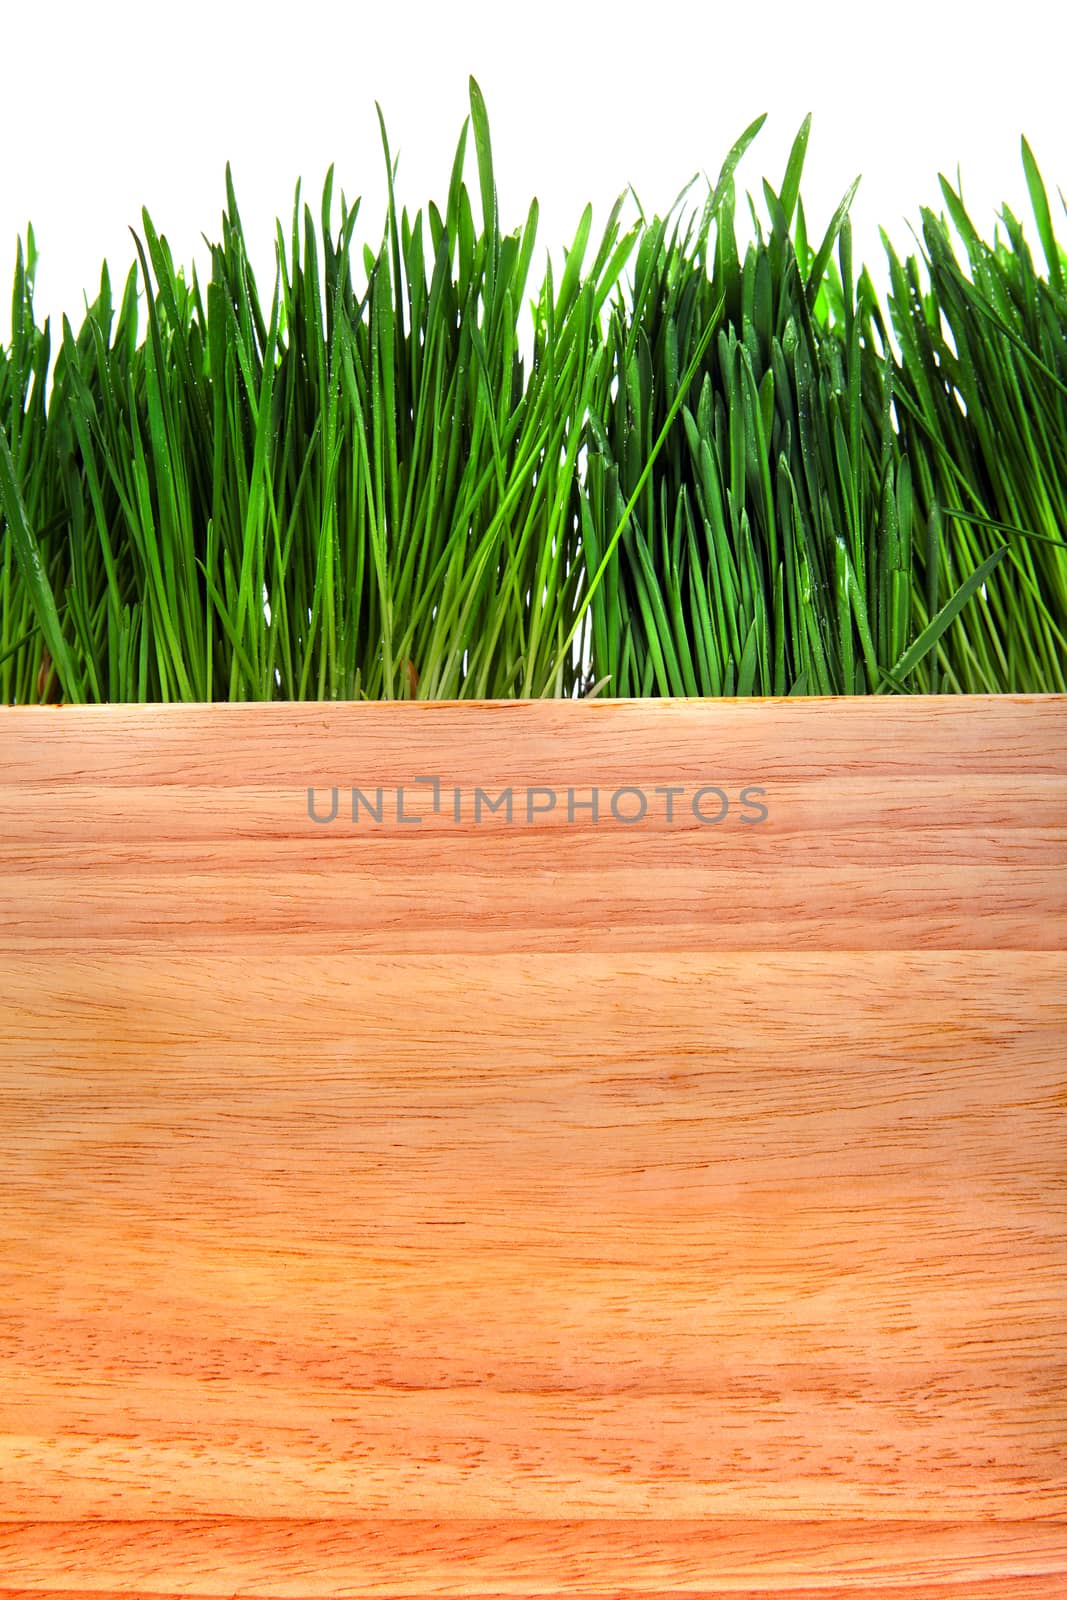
<point x="553" y="1207"/>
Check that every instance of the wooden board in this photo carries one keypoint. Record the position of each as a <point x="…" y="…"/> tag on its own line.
<point x="663" y="1207"/>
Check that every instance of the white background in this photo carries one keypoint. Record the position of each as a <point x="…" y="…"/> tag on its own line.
<point x="109" y="106"/>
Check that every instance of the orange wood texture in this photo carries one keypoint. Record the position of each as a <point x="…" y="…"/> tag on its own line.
<point x="535" y="1208"/>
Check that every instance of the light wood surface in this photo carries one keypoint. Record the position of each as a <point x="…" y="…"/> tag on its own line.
<point x="548" y="1208"/>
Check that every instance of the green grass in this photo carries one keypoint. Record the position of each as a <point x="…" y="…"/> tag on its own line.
<point x="719" y="474"/>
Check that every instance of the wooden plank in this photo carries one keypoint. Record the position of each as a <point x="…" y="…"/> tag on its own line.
<point x="534" y="1208"/>
<point x="604" y="1559"/>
